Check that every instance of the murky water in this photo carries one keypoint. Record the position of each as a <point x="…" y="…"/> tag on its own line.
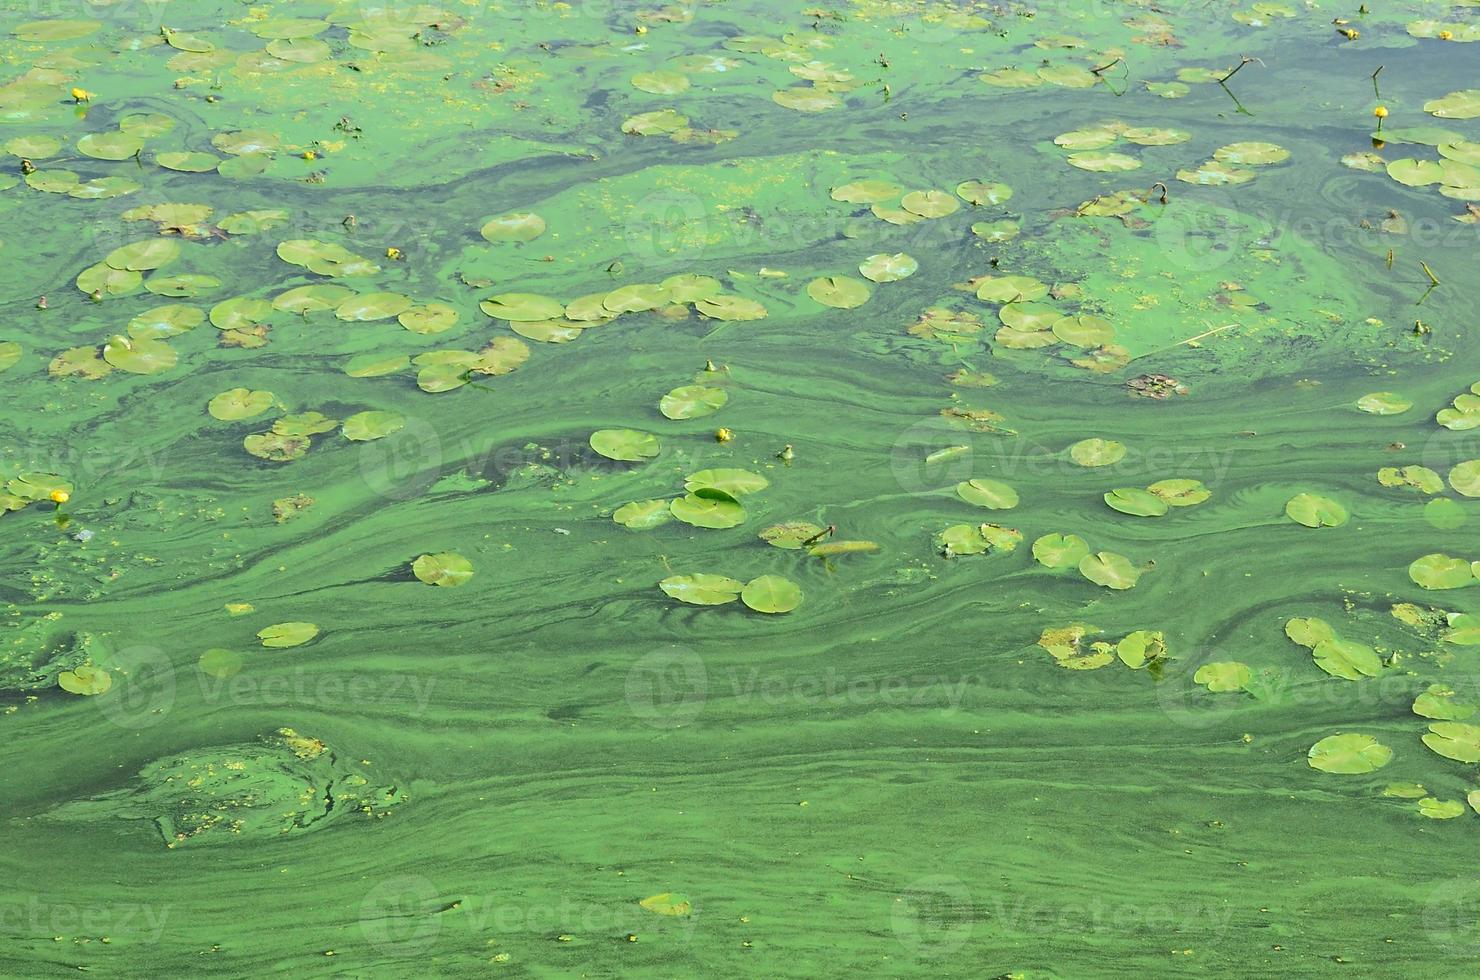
<point x="729" y="489"/>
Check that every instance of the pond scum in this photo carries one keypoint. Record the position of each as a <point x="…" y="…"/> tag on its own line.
<point x="737" y="488"/>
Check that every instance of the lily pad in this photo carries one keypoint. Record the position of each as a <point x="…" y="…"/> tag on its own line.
<point x="1349" y="754"/>
<point x="1440" y="571"/>
<point x="839" y="292"/>
<point x="693" y="402"/>
<point x="1347" y="659"/>
<point x="627" y="445"/>
<point x="886" y="268"/>
<point x="1136" y="502"/>
<point x="643" y="515"/>
<point x="771" y="594"/>
<point x="1313" y="510"/>
<point x="141" y="356"/>
<point x="369" y="426"/>
<point x="1097" y="452"/>
<point x="708" y="507"/>
<point x="1108" y="569"/>
<point x="240" y="403"/>
<point x="287" y="634"/>
<point x="1384" y="403"/>
<point x="992" y="494"/>
<point x="1060" y="550"/>
<point x="447" y="569"/>
<point x="1454" y="740"/>
<point x="790" y="535"/>
<point x="734" y="482"/>
<point x="1223" y="676"/>
<point x="702" y="589"/>
<point x="519" y="226"/>
<point x="930" y="203"/>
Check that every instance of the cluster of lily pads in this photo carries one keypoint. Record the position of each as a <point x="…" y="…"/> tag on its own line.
<point x="1346" y="659"/>
<point x="1029" y="324"/>
<point x="711" y="498"/>
<point x="1157" y="499"/>
<point x="1463" y="413"/>
<point x="1448" y="735"/>
<point x="890" y="202"/>
<point x="764" y="594"/>
<point x="1073" y="649"/>
<point x="1104" y="568"/>
<point x="29" y="487"/>
<point x="1225" y="166"/>
<point x="290" y="435"/>
<point x="1086" y="145"/>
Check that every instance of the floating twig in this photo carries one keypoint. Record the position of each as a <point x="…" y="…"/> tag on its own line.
<point x="1244" y="61"/>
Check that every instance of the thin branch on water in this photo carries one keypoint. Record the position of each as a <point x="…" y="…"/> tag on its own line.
<point x="1375" y="91"/>
<point x="1189" y="340"/>
<point x="1243" y="61"/>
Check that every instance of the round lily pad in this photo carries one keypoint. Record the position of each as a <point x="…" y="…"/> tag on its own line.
<point x="1313" y="510"/>
<point x="627" y="445"/>
<point x="1384" y="403"/>
<point x="240" y="403"/>
<point x="709" y="508"/>
<point x="1060" y="550"/>
<point x="1136" y="502"/>
<point x="1108" y="569"/>
<point x="447" y="569"/>
<point x="839" y="292"/>
<point x="992" y="494"/>
<point x="1454" y="740"/>
<point x="1347" y="659"/>
<point x="1350" y="754"/>
<point x="791" y="535"/>
<point x="1097" y="452"/>
<point x="1440" y="571"/>
<point x="1223" y="676"/>
<point x="702" y="589"/>
<point x="369" y="426"/>
<point x="643" y="515"/>
<point x="771" y="594"/>
<point x="735" y="482"/>
<point x="372" y="306"/>
<point x="109" y="146"/>
<point x="139" y="356"/>
<point x="693" y="401"/>
<point x="519" y="226"/>
<point x="887" y="268"/>
<point x="287" y="634"/>
<point x="930" y="203"/>
<point x="1465" y="478"/>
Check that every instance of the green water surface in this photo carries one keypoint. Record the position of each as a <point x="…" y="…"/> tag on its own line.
<point x="557" y="769"/>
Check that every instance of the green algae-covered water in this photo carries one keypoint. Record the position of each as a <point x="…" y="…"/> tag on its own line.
<point x="740" y="489"/>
